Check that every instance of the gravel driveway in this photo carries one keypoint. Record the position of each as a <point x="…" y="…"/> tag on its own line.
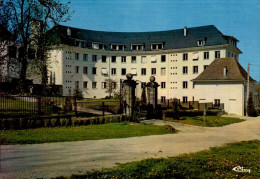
<point x="66" y="158"/>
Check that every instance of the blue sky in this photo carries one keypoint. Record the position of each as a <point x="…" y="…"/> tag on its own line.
<point x="239" y="18"/>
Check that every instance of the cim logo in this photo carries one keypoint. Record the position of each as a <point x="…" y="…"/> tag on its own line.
<point x="241" y="169"/>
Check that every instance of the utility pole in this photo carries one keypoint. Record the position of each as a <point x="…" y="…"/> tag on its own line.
<point x="247" y="86"/>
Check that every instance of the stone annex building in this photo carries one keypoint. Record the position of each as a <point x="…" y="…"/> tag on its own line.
<point x="191" y="64"/>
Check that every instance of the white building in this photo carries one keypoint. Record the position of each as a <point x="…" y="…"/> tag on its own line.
<point x="86" y="58"/>
<point x="224" y="81"/>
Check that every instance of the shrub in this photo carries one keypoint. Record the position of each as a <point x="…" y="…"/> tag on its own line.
<point x="47" y="122"/>
<point x="6" y="124"/>
<point x="63" y="122"/>
<point x="68" y="105"/>
<point x="39" y="123"/>
<point x="68" y="122"/>
<point x="250" y="107"/>
<point x="77" y="93"/>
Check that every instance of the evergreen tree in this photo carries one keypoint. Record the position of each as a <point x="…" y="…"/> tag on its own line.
<point x="250" y="106"/>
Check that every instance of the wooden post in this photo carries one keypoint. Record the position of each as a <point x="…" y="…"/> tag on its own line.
<point x="204" y="116"/>
<point x="75" y="106"/>
<point x="103" y="109"/>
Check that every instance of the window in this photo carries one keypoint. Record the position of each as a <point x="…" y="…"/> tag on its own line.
<point x="85" y="84"/>
<point x="85" y="57"/>
<point x="163" y="99"/>
<point x="158" y="46"/>
<point x="143" y="59"/>
<point x="185" y="70"/>
<point x="104" y="85"/>
<point x="205" y="67"/>
<point x="163" y="84"/>
<point x="143" y="84"/>
<point x="81" y="44"/>
<point x="76" y="69"/>
<point x="153" y="59"/>
<point x="94" y="84"/>
<point x="120" y="47"/>
<point x="104" y="71"/>
<point x="97" y="45"/>
<point x="216" y="103"/>
<point x="123" y="71"/>
<point x="133" y="59"/>
<point x="114" y="85"/>
<point x="195" y="56"/>
<point x="117" y="47"/>
<point x="201" y="42"/>
<point x="185" y="84"/>
<point x="206" y="55"/>
<point x="137" y="47"/>
<point x="153" y="71"/>
<point x="163" y="71"/>
<point x="113" y="71"/>
<point x="94" y="58"/>
<point x="133" y="71"/>
<point x="217" y="54"/>
<point x="113" y="59"/>
<point x="163" y="58"/>
<point x="185" y="56"/>
<point x="113" y="47"/>
<point x="104" y="58"/>
<point x="85" y="70"/>
<point x="195" y="69"/>
<point x="94" y="70"/>
<point x="143" y="71"/>
<point x="185" y="99"/>
<point x="123" y="59"/>
<point x="77" y="84"/>
<point x="76" y="56"/>
<point x="228" y="54"/>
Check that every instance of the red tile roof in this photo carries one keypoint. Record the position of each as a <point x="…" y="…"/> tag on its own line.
<point x="214" y="72"/>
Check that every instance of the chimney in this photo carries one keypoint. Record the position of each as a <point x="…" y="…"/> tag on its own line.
<point x="185" y="31"/>
<point x="225" y="71"/>
<point x="68" y="31"/>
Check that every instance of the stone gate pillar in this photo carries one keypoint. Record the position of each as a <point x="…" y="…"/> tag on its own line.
<point x="152" y="92"/>
<point x="128" y="89"/>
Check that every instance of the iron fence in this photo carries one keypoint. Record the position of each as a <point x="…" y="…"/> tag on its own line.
<point x="33" y="106"/>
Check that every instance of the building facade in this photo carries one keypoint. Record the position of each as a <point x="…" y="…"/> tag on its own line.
<point x="86" y="58"/>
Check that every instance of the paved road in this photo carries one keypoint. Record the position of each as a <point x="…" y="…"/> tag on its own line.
<point x="63" y="159"/>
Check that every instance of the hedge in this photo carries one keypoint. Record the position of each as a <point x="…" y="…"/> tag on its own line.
<point x="32" y="123"/>
<point x="192" y="113"/>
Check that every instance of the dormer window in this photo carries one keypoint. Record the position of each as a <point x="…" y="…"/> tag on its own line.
<point x="157" y="46"/>
<point x="201" y="42"/>
<point x="97" y="46"/>
<point x="81" y="44"/>
<point x="118" y="47"/>
<point x="137" y="47"/>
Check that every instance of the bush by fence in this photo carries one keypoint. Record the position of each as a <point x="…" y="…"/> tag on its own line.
<point x="191" y="113"/>
<point x="32" y="123"/>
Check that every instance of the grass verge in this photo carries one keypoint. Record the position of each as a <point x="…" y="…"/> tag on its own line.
<point x="217" y="162"/>
<point x="91" y="132"/>
<point x="211" y="121"/>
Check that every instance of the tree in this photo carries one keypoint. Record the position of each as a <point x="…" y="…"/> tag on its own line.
<point x="257" y="89"/>
<point x="29" y="22"/>
<point x="251" y="107"/>
<point x="111" y="87"/>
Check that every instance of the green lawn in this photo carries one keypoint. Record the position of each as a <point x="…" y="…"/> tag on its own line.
<point x="92" y="132"/>
<point x="214" y="163"/>
<point x="211" y="121"/>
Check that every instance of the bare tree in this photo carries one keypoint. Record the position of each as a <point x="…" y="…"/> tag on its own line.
<point x="29" y="22"/>
<point x="111" y="87"/>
